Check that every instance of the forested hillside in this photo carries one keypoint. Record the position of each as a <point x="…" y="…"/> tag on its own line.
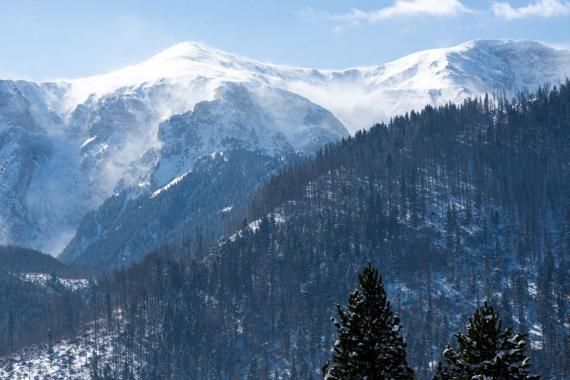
<point x="455" y="206"/>
<point x="39" y="297"/>
<point x="23" y="260"/>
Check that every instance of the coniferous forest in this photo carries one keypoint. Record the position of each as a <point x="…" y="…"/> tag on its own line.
<point x="460" y="217"/>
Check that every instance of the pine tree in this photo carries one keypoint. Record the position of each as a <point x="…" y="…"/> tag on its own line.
<point x="486" y="351"/>
<point x="369" y="345"/>
<point x="94" y="364"/>
<point x="50" y="343"/>
<point x="10" y="333"/>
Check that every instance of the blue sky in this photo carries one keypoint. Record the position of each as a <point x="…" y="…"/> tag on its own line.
<point x="52" y="39"/>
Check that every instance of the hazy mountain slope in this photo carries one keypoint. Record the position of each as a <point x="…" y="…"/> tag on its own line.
<point x="53" y="176"/>
<point x="428" y="77"/>
<point x="24" y="146"/>
<point x="362" y="96"/>
<point x="271" y="123"/>
<point x="123" y="231"/>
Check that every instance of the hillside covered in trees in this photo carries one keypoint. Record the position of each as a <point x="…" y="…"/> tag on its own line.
<point x="455" y="206"/>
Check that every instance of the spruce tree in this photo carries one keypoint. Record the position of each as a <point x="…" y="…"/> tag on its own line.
<point x="486" y="351"/>
<point x="10" y="333"/>
<point x="369" y="344"/>
<point x="253" y="367"/>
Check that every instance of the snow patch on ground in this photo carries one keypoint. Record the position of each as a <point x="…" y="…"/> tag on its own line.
<point x="227" y="209"/>
<point x="68" y="359"/>
<point x="44" y="279"/>
<point x="88" y="141"/>
<point x="254" y="226"/>
<point x="175" y="181"/>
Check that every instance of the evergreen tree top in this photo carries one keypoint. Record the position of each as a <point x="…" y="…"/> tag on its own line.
<point x="486" y="351"/>
<point x="369" y="344"/>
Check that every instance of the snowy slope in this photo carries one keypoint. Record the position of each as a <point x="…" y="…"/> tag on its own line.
<point x="247" y="117"/>
<point x="172" y="189"/>
<point x="55" y="171"/>
<point x="71" y="359"/>
<point x="362" y="96"/>
<point x="67" y="146"/>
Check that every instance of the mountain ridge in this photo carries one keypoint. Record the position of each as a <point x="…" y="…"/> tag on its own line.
<point x="196" y="59"/>
<point x="91" y="138"/>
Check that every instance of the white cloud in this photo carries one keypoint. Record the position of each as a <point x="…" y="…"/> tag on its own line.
<point x="401" y="8"/>
<point x="538" y="8"/>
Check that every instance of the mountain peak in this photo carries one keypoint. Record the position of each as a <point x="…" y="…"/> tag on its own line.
<point x="187" y="61"/>
<point x="433" y="76"/>
<point x="191" y="50"/>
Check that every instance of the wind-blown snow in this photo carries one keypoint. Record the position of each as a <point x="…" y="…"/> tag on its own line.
<point x="357" y="96"/>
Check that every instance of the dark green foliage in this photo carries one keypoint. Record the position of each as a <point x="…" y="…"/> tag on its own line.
<point x="369" y="344"/>
<point x="486" y="351"/>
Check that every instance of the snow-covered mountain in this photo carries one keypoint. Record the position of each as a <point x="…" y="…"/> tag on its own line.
<point x="358" y="96"/>
<point x="67" y="146"/>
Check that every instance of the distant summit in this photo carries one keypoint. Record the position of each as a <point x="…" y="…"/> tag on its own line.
<point x="358" y="96"/>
